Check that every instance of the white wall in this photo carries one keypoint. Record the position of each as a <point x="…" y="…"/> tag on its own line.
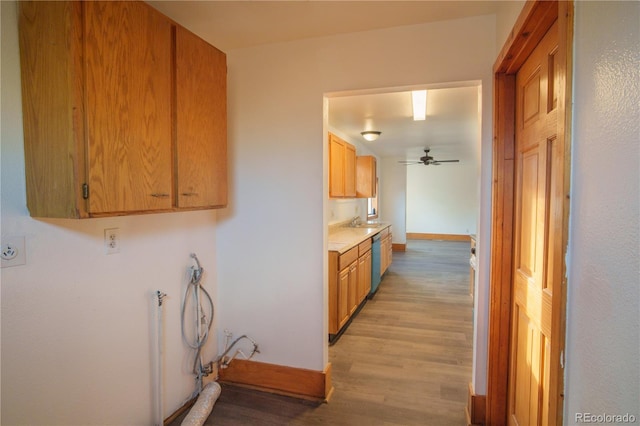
<point x="272" y="241"/>
<point x="442" y="199"/>
<point x="603" y="312"/>
<point x="393" y="201"/>
<point x="78" y="326"/>
<point x="506" y="16"/>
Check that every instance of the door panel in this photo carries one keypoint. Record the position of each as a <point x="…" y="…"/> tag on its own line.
<point x="538" y="197"/>
<point x="128" y="93"/>
<point x="201" y="122"/>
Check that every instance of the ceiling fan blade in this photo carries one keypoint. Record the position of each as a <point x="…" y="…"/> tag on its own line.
<point x="447" y="161"/>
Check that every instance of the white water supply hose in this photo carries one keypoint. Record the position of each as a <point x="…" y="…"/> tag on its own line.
<point x="203" y="406"/>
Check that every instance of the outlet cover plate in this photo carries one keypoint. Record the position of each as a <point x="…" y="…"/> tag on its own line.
<point x="112" y="240"/>
<point x="13" y="251"/>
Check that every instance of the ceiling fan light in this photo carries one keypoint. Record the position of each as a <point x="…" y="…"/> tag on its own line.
<point x="370" y="135"/>
<point x="419" y="98"/>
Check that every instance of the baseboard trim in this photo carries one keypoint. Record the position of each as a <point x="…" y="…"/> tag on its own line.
<point x="476" y="408"/>
<point x="283" y="380"/>
<point x="187" y="405"/>
<point x="398" y="247"/>
<point x="445" y="237"/>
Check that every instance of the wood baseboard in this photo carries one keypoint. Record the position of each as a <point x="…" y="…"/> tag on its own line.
<point x="476" y="408"/>
<point x="187" y="405"/>
<point x="445" y="237"/>
<point x="398" y="247"/>
<point x="290" y="381"/>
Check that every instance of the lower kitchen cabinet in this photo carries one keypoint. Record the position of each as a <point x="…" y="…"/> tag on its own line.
<point x="386" y="250"/>
<point x="349" y="284"/>
<point x="350" y="278"/>
<point x="364" y="270"/>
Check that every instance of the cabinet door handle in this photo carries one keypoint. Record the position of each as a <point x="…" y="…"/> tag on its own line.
<point x="189" y="194"/>
<point x="160" y="195"/>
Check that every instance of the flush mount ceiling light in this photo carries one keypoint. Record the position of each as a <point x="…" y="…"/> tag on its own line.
<point x="419" y="98"/>
<point x="370" y="135"/>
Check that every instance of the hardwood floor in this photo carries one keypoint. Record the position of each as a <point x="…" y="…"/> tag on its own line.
<point x="404" y="360"/>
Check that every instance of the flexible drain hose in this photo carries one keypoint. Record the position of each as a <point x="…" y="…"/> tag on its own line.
<point x="203" y="406"/>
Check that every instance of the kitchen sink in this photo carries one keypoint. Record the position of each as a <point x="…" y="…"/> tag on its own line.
<point x="365" y="225"/>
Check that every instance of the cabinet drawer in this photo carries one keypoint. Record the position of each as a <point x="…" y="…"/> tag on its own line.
<point x="364" y="247"/>
<point x="384" y="232"/>
<point x="348" y="258"/>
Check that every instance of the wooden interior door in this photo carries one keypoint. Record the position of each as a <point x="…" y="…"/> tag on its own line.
<point x="538" y="218"/>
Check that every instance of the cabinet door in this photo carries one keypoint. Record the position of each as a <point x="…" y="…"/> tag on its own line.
<point x="367" y="268"/>
<point x="201" y="122"/>
<point x="343" y="297"/>
<point x="52" y="105"/>
<point x="366" y="172"/>
<point x="361" y="278"/>
<point x="350" y="171"/>
<point x="128" y="111"/>
<point x="364" y="276"/>
<point x="384" y="254"/>
<point x="390" y="250"/>
<point x="353" y="287"/>
<point x="336" y="166"/>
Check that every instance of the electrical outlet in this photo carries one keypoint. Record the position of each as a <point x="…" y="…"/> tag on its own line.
<point x="13" y="251"/>
<point x="112" y="240"/>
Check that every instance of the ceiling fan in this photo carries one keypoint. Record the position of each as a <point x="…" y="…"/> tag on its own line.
<point x="428" y="160"/>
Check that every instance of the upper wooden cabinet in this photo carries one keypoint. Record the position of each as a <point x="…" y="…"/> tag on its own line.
<point x="366" y="176"/>
<point x="127" y="48"/>
<point x="113" y="122"/>
<point x="342" y="168"/>
<point x="201" y="122"/>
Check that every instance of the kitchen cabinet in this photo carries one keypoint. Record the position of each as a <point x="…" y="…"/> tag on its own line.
<point x="342" y="168"/>
<point x="364" y="270"/>
<point x="349" y="283"/>
<point x="112" y="125"/>
<point x="386" y="250"/>
<point x="201" y="122"/>
<point x="366" y="176"/>
<point x="343" y="281"/>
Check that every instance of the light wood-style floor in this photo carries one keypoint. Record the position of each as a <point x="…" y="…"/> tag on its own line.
<point x="404" y="360"/>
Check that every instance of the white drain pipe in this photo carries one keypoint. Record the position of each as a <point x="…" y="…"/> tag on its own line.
<point x="160" y="362"/>
<point x="203" y="406"/>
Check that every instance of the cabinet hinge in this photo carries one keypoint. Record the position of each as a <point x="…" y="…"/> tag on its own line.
<point x="85" y="191"/>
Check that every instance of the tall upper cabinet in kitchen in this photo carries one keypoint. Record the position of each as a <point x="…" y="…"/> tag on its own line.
<point x="201" y="122"/>
<point x="366" y="176"/>
<point x="342" y="168"/>
<point x="111" y="122"/>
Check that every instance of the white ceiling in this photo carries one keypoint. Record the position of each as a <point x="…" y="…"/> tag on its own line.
<point x="451" y="127"/>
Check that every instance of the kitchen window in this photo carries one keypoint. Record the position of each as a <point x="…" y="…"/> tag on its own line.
<point x="372" y="205"/>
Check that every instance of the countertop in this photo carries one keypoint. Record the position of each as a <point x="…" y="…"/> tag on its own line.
<point x="343" y="238"/>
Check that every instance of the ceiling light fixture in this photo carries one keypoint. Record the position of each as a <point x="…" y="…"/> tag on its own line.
<point x="371" y="135"/>
<point x="419" y="98"/>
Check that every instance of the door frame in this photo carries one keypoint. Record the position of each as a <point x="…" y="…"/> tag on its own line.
<point x="535" y="19"/>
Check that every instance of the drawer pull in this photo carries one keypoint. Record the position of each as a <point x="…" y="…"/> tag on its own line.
<point x="189" y="194"/>
<point x="160" y="195"/>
